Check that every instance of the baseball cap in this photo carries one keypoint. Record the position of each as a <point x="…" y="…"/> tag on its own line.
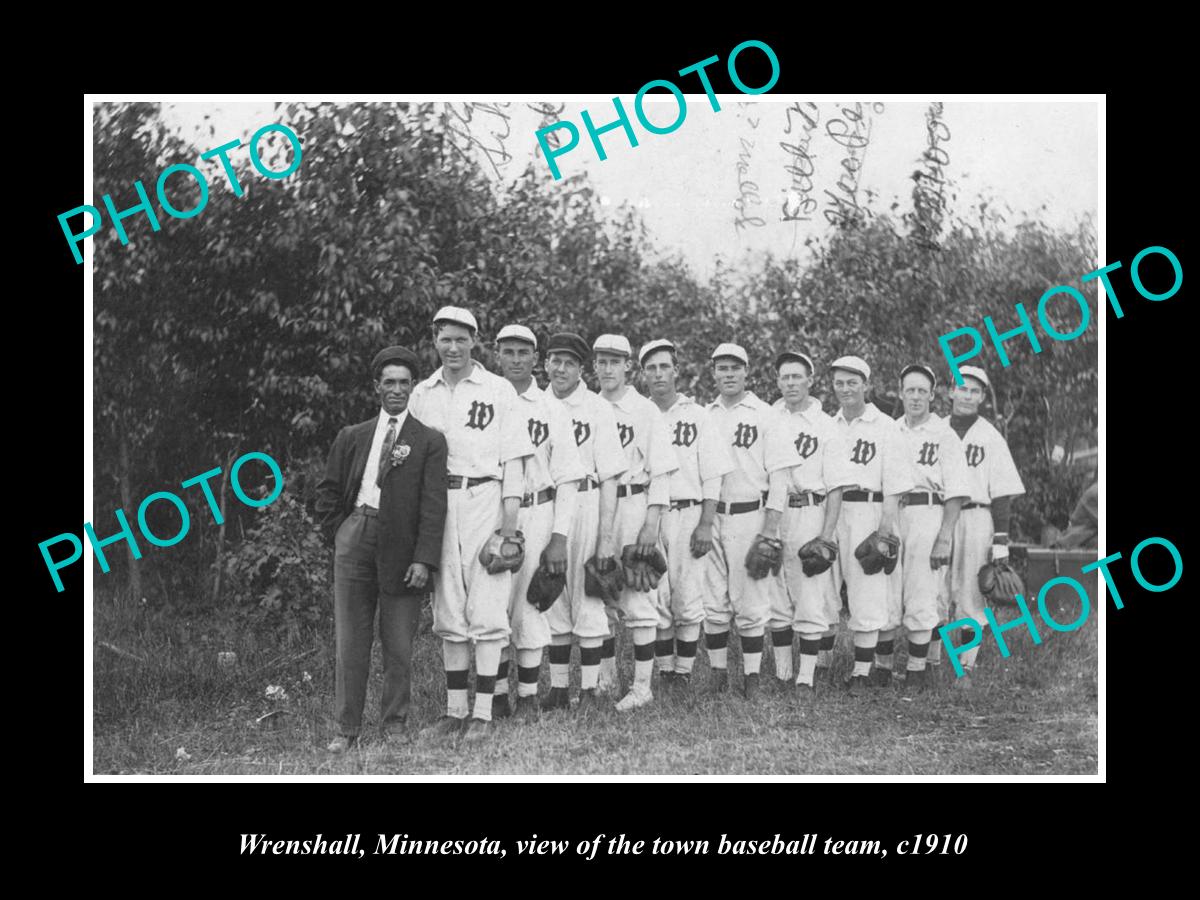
<point x="517" y="333"/>
<point x="401" y="355"/>
<point x="794" y="356"/>
<point x="568" y="342"/>
<point x="612" y="343"/>
<point x="652" y="346"/>
<point x="976" y="373"/>
<point x="924" y="370"/>
<point x="457" y="315"/>
<point x="853" y="364"/>
<point x="732" y="350"/>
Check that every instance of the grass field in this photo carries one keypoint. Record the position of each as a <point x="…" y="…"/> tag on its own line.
<point x="157" y="689"/>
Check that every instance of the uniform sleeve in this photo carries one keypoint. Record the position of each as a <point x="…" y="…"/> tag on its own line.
<point x="835" y="462"/>
<point x="956" y="482"/>
<point x="661" y="458"/>
<point x="780" y="452"/>
<point x="897" y="474"/>
<point x="565" y="464"/>
<point x="515" y="441"/>
<point x="715" y="458"/>
<point x="606" y="443"/>
<point x="660" y="490"/>
<point x="564" y="508"/>
<point x="416" y="402"/>
<point x="1003" y="478"/>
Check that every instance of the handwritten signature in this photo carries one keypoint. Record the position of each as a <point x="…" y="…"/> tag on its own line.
<point x="929" y="194"/>
<point x="747" y="190"/>
<point x="854" y="133"/>
<point x="463" y="126"/>
<point x="801" y="167"/>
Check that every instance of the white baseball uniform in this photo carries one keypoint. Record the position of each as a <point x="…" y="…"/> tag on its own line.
<point x="482" y="433"/>
<point x="595" y="432"/>
<point x="703" y="461"/>
<point x="555" y="462"/>
<point x="938" y="471"/>
<point x="646" y="482"/>
<point x="730" y="594"/>
<point x="872" y="463"/>
<point x="807" y="444"/>
<point x="991" y="473"/>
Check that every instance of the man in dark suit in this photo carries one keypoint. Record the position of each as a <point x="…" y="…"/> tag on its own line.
<point x="383" y="504"/>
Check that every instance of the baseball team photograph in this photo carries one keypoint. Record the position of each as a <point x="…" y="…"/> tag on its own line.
<point x="657" y="469"/>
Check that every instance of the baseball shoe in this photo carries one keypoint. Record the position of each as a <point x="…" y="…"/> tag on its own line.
<point x="751" y="690"/>
<point x="963" y="682"/>
<point x="398" y="733"/>
<point x="447" y="728"/>
<point x="587" y="703"/>
<point x="500" y="707"/>
<point x="476" y="732"/>
<point x="916" y="683"/>
<point x="666" y="679"/>
<point x="804" y="693"/>
<point x="609" y="684"/>
<point x="823" y="675"/>
<point x="558" y="698"/>
<point x="681" y="685"/>
<point x="635" y="698"/>
<point x="881" y="677"/>
<point x="342" y="743"/>
<point x="718" y="681"/>
<point x="526" y="710"/>
<point x="858" y="685"/>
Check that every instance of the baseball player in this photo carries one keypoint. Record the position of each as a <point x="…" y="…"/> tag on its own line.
<point x="686" y="525"/>
<point x="731" y="595"/>
<point x="981" y="533"/>
<point x="547" y="510"/>
<point x="802" y="454"/>
<point x="875" y="476"/>
<point x="593" y="531"/>
<point x="486" y="443"/>
<point x="643" y="492"/>
<point x="928" y="515"/>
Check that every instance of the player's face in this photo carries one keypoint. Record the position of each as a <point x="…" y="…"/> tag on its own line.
<point x="454" y="343"/>
<point x="394" y="387"/>
<point x="564" y="371"/>
<point x="794" y="382"/>
<point x="730" y="375"/>
<point x="850" y="388"/>
<point x="660" y="373"/>
<point x="917" y="393"/>
<point x="611" y="369"/>
<point x="966" y="397"/>
<point x="517" y="359"/>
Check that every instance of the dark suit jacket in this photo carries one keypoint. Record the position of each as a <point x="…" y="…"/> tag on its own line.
<point x="412" y="505"/>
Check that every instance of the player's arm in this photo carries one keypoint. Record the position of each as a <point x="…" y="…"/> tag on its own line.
<point x="512" y="489"/>
<point x="606" y="539"/>
<point x="659" y="496"/>
<point x="833" y="509"/>
<point x="1001" y="515"/>
<point x="940" y="555"/>
<point x="896" y="480"/>
<point x="702" y="534"/>
<point x="776" y="498"/>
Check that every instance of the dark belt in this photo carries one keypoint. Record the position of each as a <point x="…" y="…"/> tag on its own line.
<point x="457" y="481"/>
<point x="808" y="498"/>
<point x="976" y="506"/>
<point x="624" y="490"/>
<point x="543" y="496"/>
<point x="588" y="483"/>
<point x="734" y="509"/>
<point x="684" y="504"/>
<point x="365" y="510"/>
<point x="862" y="496"/>
<point x="922" y="499"/>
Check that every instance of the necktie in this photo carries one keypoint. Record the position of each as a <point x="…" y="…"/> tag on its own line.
<point x="385" y="454"/>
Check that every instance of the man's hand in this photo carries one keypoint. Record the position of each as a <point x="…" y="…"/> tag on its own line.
<point x="940" y="555"/>
<point x="701" y="540"/>
<point x="417" y="575"/>
<point x="647" y="539"/>
<point x="554" y="557"/>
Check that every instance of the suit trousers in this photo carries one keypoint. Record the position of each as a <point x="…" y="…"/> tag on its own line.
<point x="356" y="596"/>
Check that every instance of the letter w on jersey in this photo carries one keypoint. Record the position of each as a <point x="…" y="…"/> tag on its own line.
<point x="538" y="432"/>
<point x="806" y="445"/>
<point x="582" y="432"/>
<point x="685" y="434"/>
<point x="745" y="436"/>
<point x="626" y="432"/>
<point x="864" y="452"/>
<point x="480" y="415"/>
<point x="974" y="455"/>
<point x="929" y="454"/>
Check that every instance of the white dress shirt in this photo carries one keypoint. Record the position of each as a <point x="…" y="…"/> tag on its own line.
<point x="368" y="491"/>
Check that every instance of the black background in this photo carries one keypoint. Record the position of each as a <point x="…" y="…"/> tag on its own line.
<point x="192" y="832"/>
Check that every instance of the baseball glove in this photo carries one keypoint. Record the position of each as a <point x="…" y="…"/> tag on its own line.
<point x="878" y="553"/>
<point x="503" y="554"/>
<point x="1000" y="583"/>
<point x="656" y="567"/>
<point x="634" y="569"/>
<point x="545" y="588"/>
<point x="817" y="556"/>
<point x="765" y="557"/>
<point x="603" y="578"/>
